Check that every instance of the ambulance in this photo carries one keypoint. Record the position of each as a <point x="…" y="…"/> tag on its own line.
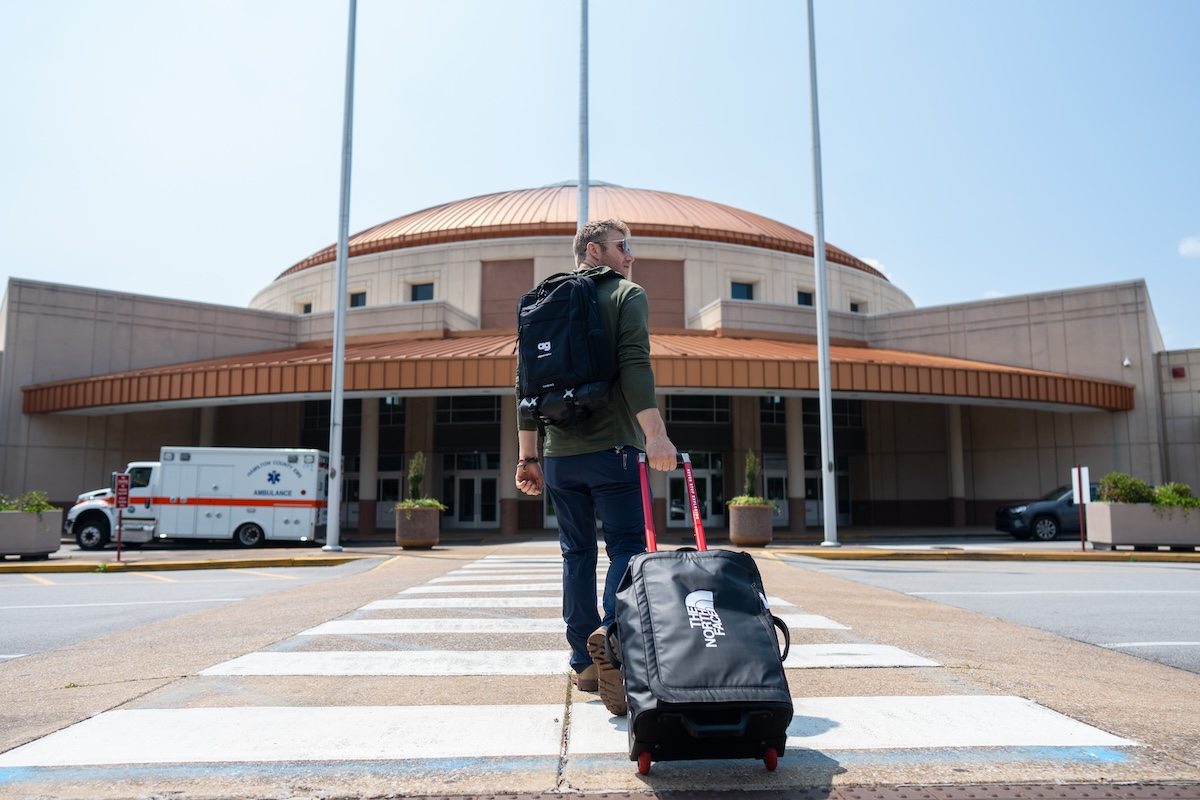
<point x="250" y="495"/>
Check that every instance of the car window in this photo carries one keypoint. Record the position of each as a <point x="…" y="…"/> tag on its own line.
<point x="1056" y="494"/>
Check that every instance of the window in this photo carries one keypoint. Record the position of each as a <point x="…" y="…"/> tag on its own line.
<point x="420" y="291"/>
<point x="139" y="477"/>
<point x="804" y="298"/>
<point x="742" y="291"/>
<point x="391" y="411"/>
<point x="306" y="308"/>
<point x="858" y="307"/>
<point x="358" y="299"/>
<point x="697" y="408"/>
<point x="468" y="409"/>
<point x="845" y="413"/>
<point x="770" y="410"/>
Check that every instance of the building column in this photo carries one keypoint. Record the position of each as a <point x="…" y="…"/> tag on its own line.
<point x="420" y="417"/>
<point x="368" y="467"/>
<point x="747" y="435"/>
<point x="208" y="426"/>
<point x="793" y="417"/>
<point x="958" y="481"/>
<point x="509" y="496"/>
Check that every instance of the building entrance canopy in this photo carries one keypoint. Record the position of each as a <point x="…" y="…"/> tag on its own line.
<point x="699" y="362"/>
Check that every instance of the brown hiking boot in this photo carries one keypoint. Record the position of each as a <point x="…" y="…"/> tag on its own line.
<point x="586" y="680"/>
<point x="611" y="682"/>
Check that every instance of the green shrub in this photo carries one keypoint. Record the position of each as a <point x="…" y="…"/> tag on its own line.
<point x="34" y="502"/>
<point x="1175" y="495"/>
<point x="1117" y="487"/>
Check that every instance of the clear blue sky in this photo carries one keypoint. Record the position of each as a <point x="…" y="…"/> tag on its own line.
<point x="971" y="149"/>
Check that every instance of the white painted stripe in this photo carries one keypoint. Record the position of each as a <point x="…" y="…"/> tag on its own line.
<point x="498" y="576"/>
<point x="1152" y="644"/>
<point x="4" y="657"/>
<point x="779" y="602"/>
<point x="348" y="627"/>
<point x="196" y="735"/>
<point x="811" y="621"/>
<point x="1063" y="591"/>
<point x="464" y="602"/>
<point x="825" y="656"/>
<point x="885" y="723"/>
<point x="135" y="603"/>
<point x="485" y="587"/>
<point x="408" y="662"/>
<point x="274" y="734"/>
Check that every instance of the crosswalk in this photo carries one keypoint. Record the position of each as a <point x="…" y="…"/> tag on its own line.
<point x="498" y="618"/>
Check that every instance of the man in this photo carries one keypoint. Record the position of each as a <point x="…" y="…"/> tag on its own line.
<point x="591" y="469"/>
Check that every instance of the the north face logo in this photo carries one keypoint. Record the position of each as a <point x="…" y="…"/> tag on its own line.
<point x="702" y="614"/>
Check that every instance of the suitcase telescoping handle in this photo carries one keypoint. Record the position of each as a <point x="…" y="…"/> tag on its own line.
<point x="693" y="503"/>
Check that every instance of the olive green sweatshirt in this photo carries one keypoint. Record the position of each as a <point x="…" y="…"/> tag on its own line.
<point x="625" y="315"/>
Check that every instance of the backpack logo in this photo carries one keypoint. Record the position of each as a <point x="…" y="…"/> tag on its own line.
<point x="544" y="347"/>
<point x="702" y="614"/>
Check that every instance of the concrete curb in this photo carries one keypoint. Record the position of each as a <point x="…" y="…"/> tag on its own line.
<point x="162" y="566"/>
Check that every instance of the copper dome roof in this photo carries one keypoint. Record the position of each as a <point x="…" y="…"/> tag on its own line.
<point x="551" y="211"/>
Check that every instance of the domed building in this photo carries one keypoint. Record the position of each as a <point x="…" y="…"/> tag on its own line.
<point x="940" y="414"/>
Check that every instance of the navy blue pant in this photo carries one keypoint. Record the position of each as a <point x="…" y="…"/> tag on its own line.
<point x="581" y="487"/>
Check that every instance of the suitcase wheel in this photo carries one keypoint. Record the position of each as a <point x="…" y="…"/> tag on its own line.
<point x="644" y="762"/>
<point x="771" y="759"/>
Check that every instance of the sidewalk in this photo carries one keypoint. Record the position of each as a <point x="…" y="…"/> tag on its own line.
<point x="893" y="544"/>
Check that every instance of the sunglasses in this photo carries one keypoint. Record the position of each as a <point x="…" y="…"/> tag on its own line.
<point x="625" y="246"/>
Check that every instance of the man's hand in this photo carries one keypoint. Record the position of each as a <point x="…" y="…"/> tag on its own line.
<point x="660" y="452"/>
<point x="529" y="478"/>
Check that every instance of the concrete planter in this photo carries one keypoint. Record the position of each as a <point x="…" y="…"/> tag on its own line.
<point x="1111" y="525"/>
<point x="418" y="528"/>
<point x="30" y="534"/>
<point x="750" y="526"/>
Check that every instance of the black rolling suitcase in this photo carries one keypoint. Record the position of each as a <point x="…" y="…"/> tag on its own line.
<point x="699" y="652"/>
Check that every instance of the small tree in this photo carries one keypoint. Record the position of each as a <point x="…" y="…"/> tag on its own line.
<point x="748" y="496"/>
<point x="416" y="475"/>
<point x="416" y="498"/>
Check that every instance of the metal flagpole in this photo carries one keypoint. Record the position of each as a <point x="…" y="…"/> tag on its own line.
<point x="828" y="472"/>
<point x="583" y="118"/>
<point x="338" y="365"/>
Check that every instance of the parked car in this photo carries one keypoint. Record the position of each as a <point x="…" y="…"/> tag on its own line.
<point x="1045" y="518"/>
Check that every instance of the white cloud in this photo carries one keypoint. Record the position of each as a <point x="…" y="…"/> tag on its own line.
<point x="877" y="264"/>
<point x="1190" y="247"/>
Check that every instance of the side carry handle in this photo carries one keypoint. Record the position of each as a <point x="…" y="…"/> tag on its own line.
<point x="787" y="636"/>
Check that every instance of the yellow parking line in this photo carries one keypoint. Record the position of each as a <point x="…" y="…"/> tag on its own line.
<point x="40" y="579"/>
<point x="158" y="577"/>
<point x="265" y="574"/>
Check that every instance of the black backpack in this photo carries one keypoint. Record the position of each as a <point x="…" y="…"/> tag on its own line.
<point x="564" y="357"/>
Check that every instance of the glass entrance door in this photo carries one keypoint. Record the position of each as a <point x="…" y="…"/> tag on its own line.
<point x="814" y="499"/>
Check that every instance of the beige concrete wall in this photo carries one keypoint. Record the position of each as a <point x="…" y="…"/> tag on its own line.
<point x="1088" y="331"/>
<point x="55" y="332"/>
<point x="1181" y="415"/>
<point x="710" y="269"/>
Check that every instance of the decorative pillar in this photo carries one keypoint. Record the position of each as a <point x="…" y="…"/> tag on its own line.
<point x="793" y="416"/>
<point x="958" y="481"/>
<point x="509" y="496"/>
<point x="368" y="468"/>
<point x="208" y="426"/>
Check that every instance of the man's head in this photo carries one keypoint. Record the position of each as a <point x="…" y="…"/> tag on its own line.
<point x="605" y="243"/>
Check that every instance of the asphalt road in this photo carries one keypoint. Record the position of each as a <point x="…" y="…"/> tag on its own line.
<point x="40" y="612"/>
<point x="1146" y="610"/>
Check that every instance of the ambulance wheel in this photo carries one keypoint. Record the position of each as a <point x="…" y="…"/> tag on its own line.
<point x="91" y="531"/>
<point x="771" y="759"/>
<point x="644" y="762"/>
<point x="250" y="535"/>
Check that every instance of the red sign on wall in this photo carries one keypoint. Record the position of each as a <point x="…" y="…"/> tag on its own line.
<point x="121" y="488"/>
